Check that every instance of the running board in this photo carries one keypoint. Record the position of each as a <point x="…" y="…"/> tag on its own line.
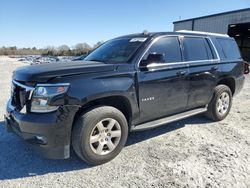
<point x="169" y="119"/>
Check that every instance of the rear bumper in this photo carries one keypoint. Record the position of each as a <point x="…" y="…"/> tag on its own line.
<point x="239" y="83"/>
<point x="48" y="134"/>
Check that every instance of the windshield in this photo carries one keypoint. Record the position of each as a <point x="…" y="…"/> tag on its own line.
<point x="116" y="51"/>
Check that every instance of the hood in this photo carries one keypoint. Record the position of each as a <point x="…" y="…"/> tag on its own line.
<point x="44" y="72"/>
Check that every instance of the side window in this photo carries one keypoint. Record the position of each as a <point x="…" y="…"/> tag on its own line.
<point x="196" y="48"/>
<point x="229" y="48"/>
<point x="169" y="47"/>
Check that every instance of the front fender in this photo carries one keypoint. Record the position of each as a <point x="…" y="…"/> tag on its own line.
<point x="86" y="88"/>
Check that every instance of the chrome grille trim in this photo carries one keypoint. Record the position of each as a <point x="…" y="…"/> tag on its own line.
<point x="20" y="95"/>
<point x="27" y="88"/>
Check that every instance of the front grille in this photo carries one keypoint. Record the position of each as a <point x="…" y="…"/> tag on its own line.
<point x="20" y="95"/>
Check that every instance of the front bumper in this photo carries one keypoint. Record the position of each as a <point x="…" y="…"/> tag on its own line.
<point x="48" y="134"/>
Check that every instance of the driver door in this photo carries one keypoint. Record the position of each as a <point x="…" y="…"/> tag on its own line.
<point x="163" y="86"/>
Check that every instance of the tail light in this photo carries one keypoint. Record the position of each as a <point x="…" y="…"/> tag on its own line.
<point x="246" y="67"/>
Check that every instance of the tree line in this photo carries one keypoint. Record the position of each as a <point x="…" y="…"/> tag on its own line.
<point x="63" y="50"/>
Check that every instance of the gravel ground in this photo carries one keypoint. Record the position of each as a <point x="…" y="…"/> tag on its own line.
<point x="194" y="152"/>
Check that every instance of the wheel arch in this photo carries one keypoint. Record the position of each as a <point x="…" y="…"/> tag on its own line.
<point x="120" y="102"/>
<point x="228" y="81"/>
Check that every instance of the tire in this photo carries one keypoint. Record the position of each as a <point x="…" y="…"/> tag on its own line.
<point x="217" y="109"/>
<point x="93" y="130"/>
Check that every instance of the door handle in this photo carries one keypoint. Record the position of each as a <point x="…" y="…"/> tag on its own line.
<point x="181" y="73"/>
<point x="214" y="68"/>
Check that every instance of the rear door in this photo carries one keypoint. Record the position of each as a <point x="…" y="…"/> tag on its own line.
<point x="163" y="88"/>
<point x="202" y="59"/>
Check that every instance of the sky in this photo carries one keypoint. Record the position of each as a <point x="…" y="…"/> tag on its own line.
<point x="42" y="23"/>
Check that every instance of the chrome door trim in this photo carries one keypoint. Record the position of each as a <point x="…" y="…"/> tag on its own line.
<point x="217" y="59"/>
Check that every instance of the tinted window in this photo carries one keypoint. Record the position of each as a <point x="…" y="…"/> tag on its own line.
<point x="229" y="48"/>
<point x="195" y="49"/>
<point x="169" y="47"/>
<point x="116" y="51"/>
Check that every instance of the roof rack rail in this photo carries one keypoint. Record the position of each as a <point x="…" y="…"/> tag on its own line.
<point x="201" y="32"/>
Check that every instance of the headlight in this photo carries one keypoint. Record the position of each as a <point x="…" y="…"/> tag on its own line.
<point x="42" y="95"/>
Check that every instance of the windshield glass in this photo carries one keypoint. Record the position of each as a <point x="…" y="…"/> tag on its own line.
<point x="116" y="51"/>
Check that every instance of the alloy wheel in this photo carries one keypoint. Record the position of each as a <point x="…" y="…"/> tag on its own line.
<point x="105" y="136"/>
<point x="223" y="103"/>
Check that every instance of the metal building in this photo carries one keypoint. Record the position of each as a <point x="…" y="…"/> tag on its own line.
<point x="235" y="23"/>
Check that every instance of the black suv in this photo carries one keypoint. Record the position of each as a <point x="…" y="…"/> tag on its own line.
<point x="130" y="83"/>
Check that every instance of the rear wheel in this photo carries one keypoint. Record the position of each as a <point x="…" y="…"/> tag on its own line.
<point x="100" y="134"/>
<point x="221" y="103"/>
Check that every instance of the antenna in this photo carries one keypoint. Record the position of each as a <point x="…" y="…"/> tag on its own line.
<point x="145" y="32"/>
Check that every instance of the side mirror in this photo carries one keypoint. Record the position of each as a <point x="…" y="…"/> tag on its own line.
<point x="152" y="58"/>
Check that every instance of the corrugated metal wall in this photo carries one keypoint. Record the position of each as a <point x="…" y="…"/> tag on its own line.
<point x="183" y="25"/>
<point x="217" y="23"/>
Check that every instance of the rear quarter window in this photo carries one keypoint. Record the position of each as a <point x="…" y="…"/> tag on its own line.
<point x="229" y="48"/>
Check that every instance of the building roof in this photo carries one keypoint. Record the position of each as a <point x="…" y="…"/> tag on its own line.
<point x="213" y="15"/>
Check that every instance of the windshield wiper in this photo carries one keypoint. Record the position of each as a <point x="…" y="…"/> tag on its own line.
<point x="98" y="60"/>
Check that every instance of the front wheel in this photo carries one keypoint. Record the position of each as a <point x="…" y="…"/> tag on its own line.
<point x="100" y="134"/>
<point x="221" y="103"/>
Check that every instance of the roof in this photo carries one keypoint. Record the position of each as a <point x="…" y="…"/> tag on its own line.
<point x="213" y="15"/>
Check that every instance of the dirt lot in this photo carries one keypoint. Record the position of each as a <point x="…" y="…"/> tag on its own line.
<point x="190" y="153"/>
